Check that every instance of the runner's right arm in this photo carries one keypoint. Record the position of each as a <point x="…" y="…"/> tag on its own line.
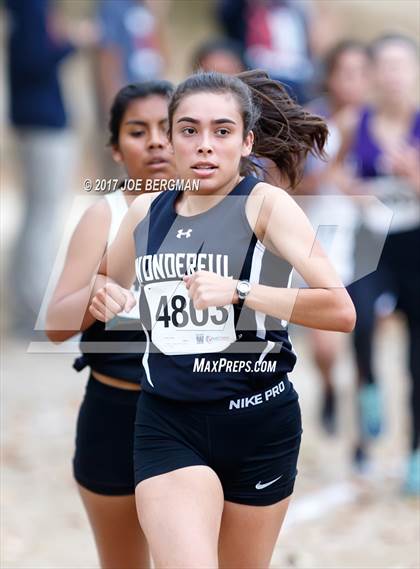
<point x="68" y="312"/>
<point x="118" y="265"/>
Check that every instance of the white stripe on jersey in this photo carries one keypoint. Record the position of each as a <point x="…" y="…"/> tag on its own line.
<point x="284" y="323"/>
<point x="145" y="359"/>
<point x="254" y="277"/>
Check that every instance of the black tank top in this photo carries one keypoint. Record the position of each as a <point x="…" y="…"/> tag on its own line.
<point x="196" y="355"/>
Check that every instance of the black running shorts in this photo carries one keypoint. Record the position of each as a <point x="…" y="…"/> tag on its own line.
<point x="252" y="443"/>
<point x="103" y="460"/>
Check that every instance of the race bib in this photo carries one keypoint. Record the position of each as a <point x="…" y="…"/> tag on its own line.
<point x="178" y="328"/>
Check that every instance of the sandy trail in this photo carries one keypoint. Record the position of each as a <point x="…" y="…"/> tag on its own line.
<point x="336" y="520"/>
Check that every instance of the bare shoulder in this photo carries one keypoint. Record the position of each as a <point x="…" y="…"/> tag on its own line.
<point x="99" y="211"/>
<point x="275" y="211"/>
<point x="272" y="195"/>
<point x="95" y="221"/>
<point x="86" y="247"/>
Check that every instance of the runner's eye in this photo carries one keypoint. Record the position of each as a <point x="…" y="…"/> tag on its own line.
<point x="137" y="133"/>
<point x="188" y="130"/>
<point x="223" y="131"/>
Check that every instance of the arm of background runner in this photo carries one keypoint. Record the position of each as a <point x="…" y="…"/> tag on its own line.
<point x="118" y="262"/>
<point x="68" y="312"/>
<point x="285" y="230"/>
<point x="118" y="265"/>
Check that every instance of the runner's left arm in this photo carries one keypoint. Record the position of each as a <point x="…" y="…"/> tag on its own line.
<point x="284" y="229"/>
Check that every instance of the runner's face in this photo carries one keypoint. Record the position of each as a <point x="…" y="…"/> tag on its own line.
<point x="348" y="83"/>
<point x="207" y="138"/>
<point x="143" y="146"/>
<point x="396" y="73"/>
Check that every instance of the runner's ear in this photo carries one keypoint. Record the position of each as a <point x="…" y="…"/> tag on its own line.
<point x="247" y="144"/>
<point x="116" y="154"/>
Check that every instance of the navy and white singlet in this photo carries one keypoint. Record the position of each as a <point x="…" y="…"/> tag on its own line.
<point x="220" y="352"/>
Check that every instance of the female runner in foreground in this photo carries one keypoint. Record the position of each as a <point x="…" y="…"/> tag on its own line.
<point x="218" y="425"/>
<point x="103" y="462"/>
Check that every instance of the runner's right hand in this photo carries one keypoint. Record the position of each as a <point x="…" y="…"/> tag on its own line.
<point x="110" y="300"/>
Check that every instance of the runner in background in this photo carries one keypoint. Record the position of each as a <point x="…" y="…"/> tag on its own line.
<point x="221" y="55"/>
<point x="284" y="37"/>
<point x="103" y="461"/>
<point x="132" y="48"/>
<point x="334" y="217"/>
<point x="385" y="149"/>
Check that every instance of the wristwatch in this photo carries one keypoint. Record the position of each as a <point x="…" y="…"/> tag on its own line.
<point x="243" y="288"/>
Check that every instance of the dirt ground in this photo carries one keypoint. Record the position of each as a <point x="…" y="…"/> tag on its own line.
<point x="336" y="520"/>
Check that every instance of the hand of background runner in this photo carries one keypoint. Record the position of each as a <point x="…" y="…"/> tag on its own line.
<point x="110" y="300"/>
<point x="209" y="289"/>
<point x="403" y="160"/>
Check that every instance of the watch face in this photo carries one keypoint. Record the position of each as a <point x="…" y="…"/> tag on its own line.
<point x="243" y="288"/>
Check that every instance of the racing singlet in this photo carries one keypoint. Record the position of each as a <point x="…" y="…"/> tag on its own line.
<point x="205" y="355"/>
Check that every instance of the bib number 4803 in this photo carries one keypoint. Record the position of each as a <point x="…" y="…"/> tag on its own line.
<point x="177" y="313"/>
<point x="178" y="328"/>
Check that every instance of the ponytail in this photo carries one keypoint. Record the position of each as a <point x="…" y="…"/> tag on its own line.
<point x="284" y="132"/>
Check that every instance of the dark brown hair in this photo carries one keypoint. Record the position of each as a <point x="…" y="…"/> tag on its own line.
<point x="284" y="132"/>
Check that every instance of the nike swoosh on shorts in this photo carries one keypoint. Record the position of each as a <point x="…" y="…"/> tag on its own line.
<point x="260" y="486"/>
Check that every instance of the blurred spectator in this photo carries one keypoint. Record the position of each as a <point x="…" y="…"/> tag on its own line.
<point x="335" y="217"/>
<point x="132" y="49"/>
<point x="132" y="46"/>
<point x="346" y="84"/>
<point x="37" y="43"/>
<point x="386" y="153"/>
<point x="221" y="55"/>
<point x="278" y="36"/>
